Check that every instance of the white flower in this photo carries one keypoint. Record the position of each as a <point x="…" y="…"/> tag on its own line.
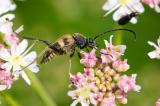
<point x="123" y="8"/>
<point x="119" y="49"/>
<point x="83" y="94"/>
<point x="156" y="53"/>
<point x="6" y="24"/>
<point x="6" y="5"/>
<point x="111" y="53"/>
<point x="17" y="58"/>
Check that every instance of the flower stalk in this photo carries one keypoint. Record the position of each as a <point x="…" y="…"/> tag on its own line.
<point x="9" y="99"/>
<point x="40" y="90"/>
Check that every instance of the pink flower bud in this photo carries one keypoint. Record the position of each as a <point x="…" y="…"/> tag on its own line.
<point x="5" y="80"/>
<point x="108" y="56"/>
<point x="120" y="66"/>
<point x="76" y="79"/>
<point x="121" y="96"/>
<point x="89" y="60"/>
<point x="110" y="101"/>
<point x="11" y="39"/>
<point x="89" y="72"/>
<point x="127" y="84"/>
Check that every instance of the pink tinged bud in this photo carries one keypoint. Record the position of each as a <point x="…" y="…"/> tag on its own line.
<point x="158" y="102"/>
<point x="120" y="66"/>
<point x="89" y="72"/>
<point x="98" y="97"/>
<point x="99" y="73"/>
<point x="89" y="60"/>
<point x="110" y="101"/>
<point x="121" y="96"/>
<point x="127" y="84"/>
<point x="76" y="80"/>
<point x="123" y="100"/>
<point x="5" y="80"/>
<point x="116" y="77"/>
<point x="11" y="39"/>
<point x="109" y="71"/>
<point x="108" y="56"/>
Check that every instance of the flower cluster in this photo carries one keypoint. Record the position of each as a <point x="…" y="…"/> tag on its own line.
<point x="125" y="7"/>
<point x="153" y="4"/>
<point x="103" y="81"/>
<point x="156" y="53"/>
<point x="14" y="55"/>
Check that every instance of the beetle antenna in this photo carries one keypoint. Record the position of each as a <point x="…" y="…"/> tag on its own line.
<point x="113" y="30"/>
<point x="30" y="38"/>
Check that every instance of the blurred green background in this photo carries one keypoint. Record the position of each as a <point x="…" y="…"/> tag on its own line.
<point x="50" y="19"/>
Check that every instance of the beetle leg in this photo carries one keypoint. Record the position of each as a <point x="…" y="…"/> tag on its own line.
<point x="72" y="53"/>
<point x="79" y="54"/>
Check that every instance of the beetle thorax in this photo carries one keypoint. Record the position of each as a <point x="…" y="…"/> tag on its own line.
<point x="80" y="40"/>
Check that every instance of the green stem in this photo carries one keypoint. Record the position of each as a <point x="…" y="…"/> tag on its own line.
<point x="37" y="86"/>
<point x="9" y="99"/>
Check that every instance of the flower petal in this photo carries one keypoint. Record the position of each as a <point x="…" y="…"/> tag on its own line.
<point x="16" y="75"/>
<point x="6" y="5"/>
<point x="33" y="67"/>
<point x="4" y="54"/>
<point x="122" y="11"/>
<point x="133" y="20"/>
<point x="153" y="55"/>
<point x="5" y="24"/>
<point x="29" y="58"/>
<point x="157" y="8"/>
<point x="8" y="17"/>
<point x="6" y="28"/>
<point x="21" y="47"/>
<point x="113" y="9"/>
<point x="158" y="41"/>
<point x="137" y="6"/>
<point x="109" y="4"/>
<point x="6" y="66"/>
<point x="152" y="44"/>
<point x="106" y="43"/>
<point x="120" y="48"/>
<point x="137" y="88"/>
<point x="72" y="93"/>
<point x="16" y="68"/>
<point x="20" y="29"/>
<point x="3" y="87"/>
<point x="25" y="77"/>
<point x="84" y="102"/>
<point x="75" y="102"/>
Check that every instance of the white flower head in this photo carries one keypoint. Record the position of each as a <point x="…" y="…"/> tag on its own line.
<point x="122" y="8"/>
<point x="6" y="5"/>
<point x="6" y="24"/>
<point x="119" y="49"/>
<point x="156" y="53"/>
<point x="17" y="58"/>
<point x="112" y="52"/>
<point x="83" y="94"/>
